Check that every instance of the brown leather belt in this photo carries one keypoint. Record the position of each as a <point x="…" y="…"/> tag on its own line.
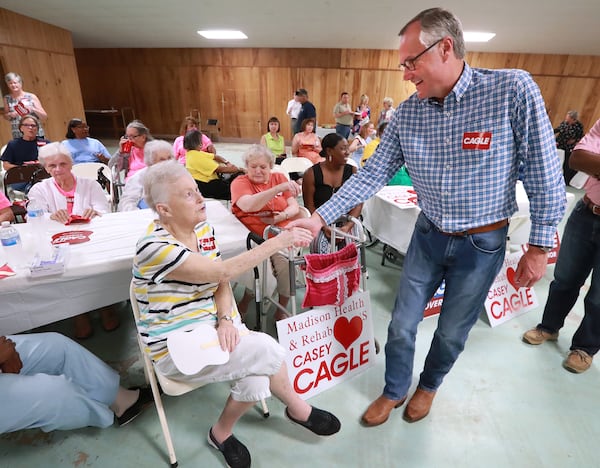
<point x="480" y="229"/>
<point x="595" y="209"/>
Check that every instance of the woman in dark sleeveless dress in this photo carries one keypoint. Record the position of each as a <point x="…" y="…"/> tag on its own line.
<point x="322" y="180"/>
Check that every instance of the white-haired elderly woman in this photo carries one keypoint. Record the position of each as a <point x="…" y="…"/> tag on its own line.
<point x="181" y="282"/>
<point x="386" y="113"/>
<point x="64" y="194"/>
<point x="261" y="198"/>
<point x="132" y="198"/>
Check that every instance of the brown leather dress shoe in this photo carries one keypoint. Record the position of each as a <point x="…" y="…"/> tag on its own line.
<point x="419" y="405"/>
<point x="379" y="411"/>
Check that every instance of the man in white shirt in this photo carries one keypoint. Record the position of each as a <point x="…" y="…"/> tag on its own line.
<point x="293" y="109"/>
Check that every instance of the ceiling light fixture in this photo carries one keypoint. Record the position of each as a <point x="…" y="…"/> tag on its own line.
<point x="222" y="34"/>
<point x="471" y="36"/>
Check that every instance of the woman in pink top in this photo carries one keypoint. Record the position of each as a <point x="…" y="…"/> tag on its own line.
<point x="190" y="123"/>
<point x="307" y="144"/>
<point x="130" y="155"/>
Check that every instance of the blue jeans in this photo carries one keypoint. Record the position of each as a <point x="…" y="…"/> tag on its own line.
<point x="469" y="264"/>
<point x="579" y="255"/>
<point x="343" y="130"/>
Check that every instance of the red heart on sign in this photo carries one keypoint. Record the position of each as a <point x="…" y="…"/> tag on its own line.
<point x="347" y="332"/>
<point x="510" y="276"/>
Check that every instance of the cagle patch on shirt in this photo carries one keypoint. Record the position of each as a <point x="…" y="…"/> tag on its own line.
<point x="476" y="140"/>
<point x="207" y="243"/>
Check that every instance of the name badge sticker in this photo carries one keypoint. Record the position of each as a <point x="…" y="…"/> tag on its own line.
<point x="208" y="244"/>
<point x="476" y="140"/>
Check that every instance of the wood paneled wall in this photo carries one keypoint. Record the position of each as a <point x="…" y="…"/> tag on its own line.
<point x="242" y="88"/>
<point x="43" y="55"/>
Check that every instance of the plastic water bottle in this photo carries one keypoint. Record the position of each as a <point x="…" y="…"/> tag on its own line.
<point x="37" y="228"/>
<point x="11" y="244"/>
<point x="35" y="215"/>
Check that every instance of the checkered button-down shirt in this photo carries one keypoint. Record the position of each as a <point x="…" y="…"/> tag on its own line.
<point x="463" y="182"/>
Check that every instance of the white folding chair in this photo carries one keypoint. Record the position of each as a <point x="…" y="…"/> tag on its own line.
<point x="352" y="162"/>
<point x="170" y="387"/>
<point x="278" y="168"/>
<point x="296" y="164"/>
<point x="90" y="170"/>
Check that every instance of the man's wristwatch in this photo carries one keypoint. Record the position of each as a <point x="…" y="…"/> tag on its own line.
<point x="542" y="248"/>
<point x="226" y="317"/>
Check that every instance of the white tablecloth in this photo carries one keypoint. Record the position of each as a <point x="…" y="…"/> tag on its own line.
<point x="98" y="272"/>
<point x="390" y="223"/>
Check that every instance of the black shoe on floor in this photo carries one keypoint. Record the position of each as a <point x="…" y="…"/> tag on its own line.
<point x="320" y="422"/>
<point x="145" y="399"/>
<point x="236" y="454"/>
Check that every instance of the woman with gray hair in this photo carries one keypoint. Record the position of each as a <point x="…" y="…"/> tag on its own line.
<point x="386" y="113"/>
<point x="181" y="283"/>
<point x="262" y="198"/>
<point x="130" y="155"/>
<point x="132" y="198"/>
<point x="64" y="195"/>
<point x="18" y="103"/>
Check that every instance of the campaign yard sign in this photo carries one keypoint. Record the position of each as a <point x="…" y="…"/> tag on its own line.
<point x="505" y="299"/>
<point x="434" y="306"/>
<point x="327" y="345"/>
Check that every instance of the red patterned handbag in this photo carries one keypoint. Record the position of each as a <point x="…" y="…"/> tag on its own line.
<point x="331" y="278"/>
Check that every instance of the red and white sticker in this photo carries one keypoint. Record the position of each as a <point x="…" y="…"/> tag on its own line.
<point x="6" y="271"/>
<point x="476" y="140"/>
<point x="71" y="237"/>
<point x="208" y="244"/>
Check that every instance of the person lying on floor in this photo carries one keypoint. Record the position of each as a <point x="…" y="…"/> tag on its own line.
<point x="181" y="282"/>
<point x="48" y="381"/>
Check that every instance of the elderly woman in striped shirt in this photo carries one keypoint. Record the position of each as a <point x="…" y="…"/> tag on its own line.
<point x="180" y="282"/>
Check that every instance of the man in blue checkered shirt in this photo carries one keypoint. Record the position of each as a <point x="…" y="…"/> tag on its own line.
<point x="462" y="136"/>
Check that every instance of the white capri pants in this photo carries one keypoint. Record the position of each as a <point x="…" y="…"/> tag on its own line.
<point x="254" y="359"/>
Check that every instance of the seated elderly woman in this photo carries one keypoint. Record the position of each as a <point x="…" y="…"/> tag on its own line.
<point x="181" y="282"/>
<point x="261" y="198"/>
<point x="132" y="197"/>
<point x="206" y="168"/>
<point x="64" y="195"/>
<point x="129" y="158"/>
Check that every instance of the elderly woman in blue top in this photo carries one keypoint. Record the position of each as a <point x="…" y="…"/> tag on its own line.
<point x="462" y="136"/>
<point x="84" y="149"/>
<point x="180" y="282"/>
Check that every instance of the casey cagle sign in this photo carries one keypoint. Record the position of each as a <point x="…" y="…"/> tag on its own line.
<point x="505" y="299"/>
<point x="327" y="345"/>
